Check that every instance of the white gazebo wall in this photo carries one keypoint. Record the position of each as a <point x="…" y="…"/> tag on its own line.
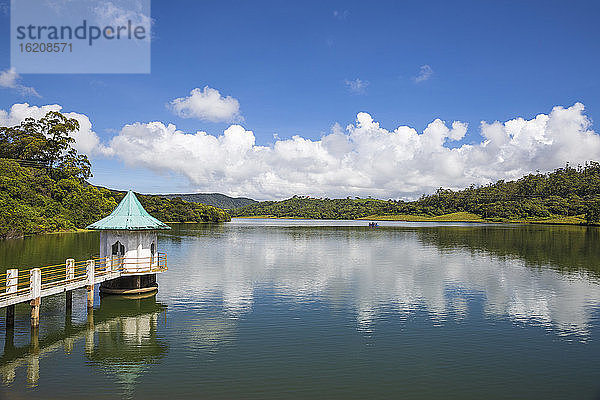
<point x="137" y="244"/>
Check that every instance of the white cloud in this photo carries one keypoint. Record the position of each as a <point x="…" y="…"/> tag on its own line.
<point x="341" y="14"/>
<point x="86" y="140"/>
<point x="362" y="159"/>
<point x="109" y="14"/>
<point x="425" y="72"/>
<point x="10" y="79"/>
<point x="207" y="105"/>
<point x="356" y="86"/>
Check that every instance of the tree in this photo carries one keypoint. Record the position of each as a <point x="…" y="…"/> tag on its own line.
<point x="49" y="141"/>
<point x="592" y="213"/>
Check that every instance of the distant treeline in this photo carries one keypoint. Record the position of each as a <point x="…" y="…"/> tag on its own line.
<point x="212" y="199"/>
<point x="176" y="209"/>
<point x="566" y="191"/>
<point x="43" y="184"/>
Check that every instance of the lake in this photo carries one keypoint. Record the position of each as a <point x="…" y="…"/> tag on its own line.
<point x="265" y="309"/>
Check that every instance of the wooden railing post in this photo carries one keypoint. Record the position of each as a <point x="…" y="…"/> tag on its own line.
<point x="90" y="269"/>
<point x="70" y="275"/>
<point x="12" y="281"/>
<point x="35" y="286"/>
<point x="70" y="263"/>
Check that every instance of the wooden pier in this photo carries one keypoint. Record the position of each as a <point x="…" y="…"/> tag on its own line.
<point x="31" y="285"/>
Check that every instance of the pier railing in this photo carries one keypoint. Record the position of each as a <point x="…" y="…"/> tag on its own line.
<point x="20" y="285"/>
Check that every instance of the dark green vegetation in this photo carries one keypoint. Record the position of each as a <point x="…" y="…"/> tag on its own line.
<point x="43" y="184"/>
<point x="307" y="207"/>
<point x="557" y="196"/>
<point x="176" y="209"/>
<point x="212" y="199"/>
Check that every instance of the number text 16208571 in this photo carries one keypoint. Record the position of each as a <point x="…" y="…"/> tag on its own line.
<point x="37" y="47"/>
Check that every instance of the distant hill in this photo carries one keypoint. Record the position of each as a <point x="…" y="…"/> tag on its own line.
<point x="212" y="199"/>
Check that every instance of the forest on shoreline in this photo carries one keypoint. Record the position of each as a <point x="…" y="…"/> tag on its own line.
<point x="44" y="188"/>
<point x="568" y="195"/>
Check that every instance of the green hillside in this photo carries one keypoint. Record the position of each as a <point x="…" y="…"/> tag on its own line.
<point x="43" y="184"/>
<point x="212" y="199"/>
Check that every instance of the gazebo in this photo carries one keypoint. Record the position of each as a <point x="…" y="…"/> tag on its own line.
<point x="128" y="241"/>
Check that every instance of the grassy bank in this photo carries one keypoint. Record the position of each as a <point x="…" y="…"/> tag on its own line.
<point x="468" y="217"/>
<point x="451" y="217"/>
<point x="272" y="217"/>
<point x="454" y="217"/>
<point x="556" y="220"/>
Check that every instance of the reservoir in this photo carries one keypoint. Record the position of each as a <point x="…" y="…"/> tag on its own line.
<point x="271" y="309"/>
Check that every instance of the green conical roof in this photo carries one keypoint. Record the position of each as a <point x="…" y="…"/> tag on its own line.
<point x="129" y="215"/>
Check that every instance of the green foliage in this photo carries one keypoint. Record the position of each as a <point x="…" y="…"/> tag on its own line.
<point x="47" y="141"/>
<point x="592" y="213"/>
<point x="565" y="192"/>
<point x="213" y="199"/>
<point x="56" y="196"/>
<point x="31" y="202"/>
<point x="178" y="210"/>
<point x="306" y="207"/>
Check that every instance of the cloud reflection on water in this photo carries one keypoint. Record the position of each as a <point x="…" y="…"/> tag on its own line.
<point x="374" y="272"/>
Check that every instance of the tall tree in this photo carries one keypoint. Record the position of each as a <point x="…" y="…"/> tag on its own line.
<point x="47" y="140"/>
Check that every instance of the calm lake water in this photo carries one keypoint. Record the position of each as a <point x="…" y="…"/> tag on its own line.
<point x="324" y="309"/>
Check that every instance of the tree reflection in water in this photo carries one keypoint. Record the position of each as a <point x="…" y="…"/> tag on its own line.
<point x="540" y="275"/>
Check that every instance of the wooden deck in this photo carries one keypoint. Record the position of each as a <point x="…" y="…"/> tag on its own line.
<point x="18" y="286"/>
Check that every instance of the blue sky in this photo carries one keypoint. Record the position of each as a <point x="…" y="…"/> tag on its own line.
<point x="293" y="68"/>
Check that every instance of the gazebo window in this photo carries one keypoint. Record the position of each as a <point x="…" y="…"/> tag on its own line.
<point x="118" y="252"/>
<point x="152" y="253"/>
<point x="118" y="249"/>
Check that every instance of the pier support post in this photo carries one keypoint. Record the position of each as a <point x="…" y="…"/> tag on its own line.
<point x="90" y="267"/>
<point x="89" y="334"/>
<point x="69" y="301"/>
<point x="90" y="296"/>
<point x="35" y="285"/>
<point x="68" y="342"/>
<point x="35" y="312"/>
<point x="70" y="275"/>
<point x="10" y="317"/>
<point x="12" y="279"/>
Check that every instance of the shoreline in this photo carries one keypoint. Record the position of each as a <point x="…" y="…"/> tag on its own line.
<point x="462" y="217"/>
<point x="453" y="217"/>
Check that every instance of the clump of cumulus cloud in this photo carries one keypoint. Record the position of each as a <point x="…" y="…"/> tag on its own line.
<point x="362" y="159"/>
<point x="207" y="105"/>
